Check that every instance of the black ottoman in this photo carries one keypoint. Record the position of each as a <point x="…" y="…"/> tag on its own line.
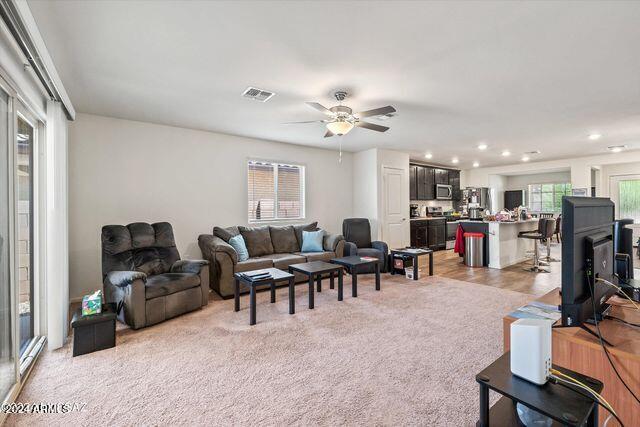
<point x="94" y="332"/>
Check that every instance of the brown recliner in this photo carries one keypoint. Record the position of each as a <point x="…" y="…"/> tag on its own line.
<point x="143" y="274"/>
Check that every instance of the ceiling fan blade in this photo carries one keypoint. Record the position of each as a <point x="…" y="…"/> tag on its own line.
<point x="328" y="134"/>
<point x="309" y="121"/>
<point x="320" y="108"/>
<point x="371" y="126"/>
<point x="376" y="112"/>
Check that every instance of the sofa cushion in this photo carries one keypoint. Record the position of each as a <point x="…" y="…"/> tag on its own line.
<point x="312" y="241"/>
<point x="253" y="264"/>
<point x="298" y="229"/>
<point x="237" y="242"/>
<point x="226" y="233"/>
<point x="258" y="240"/>
<point x="283" y="239"/>
<point x="283" y="261"/>
<point x="325" y="256"/>
<point x="170" y="283"/>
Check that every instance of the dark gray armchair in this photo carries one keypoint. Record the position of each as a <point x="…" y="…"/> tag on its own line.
<point x="357" y="236"/>
<point x="143" y="274"/>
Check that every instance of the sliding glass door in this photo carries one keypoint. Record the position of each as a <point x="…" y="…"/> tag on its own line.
<point x="24" y="223"/>
<point x="7" y="350"/>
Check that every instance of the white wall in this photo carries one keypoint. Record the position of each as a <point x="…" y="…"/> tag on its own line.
<point x="368" y="186"/>
<point x="365" y="187"/>
<point x="124" y="171"/>
<point x="609" y="171"/>
<point x="520" y="182"/>
<point x="580" y="168"/>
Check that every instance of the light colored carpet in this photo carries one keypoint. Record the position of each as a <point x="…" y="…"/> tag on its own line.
<point x="406" y="355"/>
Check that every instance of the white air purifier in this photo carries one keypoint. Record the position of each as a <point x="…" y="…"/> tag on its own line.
<point x="531" y="349"/>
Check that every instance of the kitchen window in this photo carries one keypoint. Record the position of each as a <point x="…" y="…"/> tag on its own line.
<point x="547" y="197"/>
<point x="275" y="191"/>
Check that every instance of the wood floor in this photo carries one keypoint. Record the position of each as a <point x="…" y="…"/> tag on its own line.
<point x="514" y="278"/>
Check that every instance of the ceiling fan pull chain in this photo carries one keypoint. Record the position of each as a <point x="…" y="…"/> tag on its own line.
<point x="340" y="156"/>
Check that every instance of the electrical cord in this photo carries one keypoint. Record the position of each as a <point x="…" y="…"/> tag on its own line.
<point x="598" y="279"/>
<point x="593" y="395"/>
<point x="637" y="325"/>
<point x="592" y="289"/>
<point x="566" y="378"/>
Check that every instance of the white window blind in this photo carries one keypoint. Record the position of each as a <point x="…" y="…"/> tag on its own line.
<point x="276" y="191"/>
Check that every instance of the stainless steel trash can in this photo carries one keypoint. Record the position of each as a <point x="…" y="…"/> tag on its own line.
<point x="473" y="249"/>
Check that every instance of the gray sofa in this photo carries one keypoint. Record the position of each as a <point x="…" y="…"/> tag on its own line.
<point x="268" y="246"/>
<point x="143" y="274"/>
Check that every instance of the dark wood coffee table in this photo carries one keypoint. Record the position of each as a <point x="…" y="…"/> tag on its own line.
<point x="276" y="276"/>
<point x="315" y="270"/>
<point x="353" y="264"/>
<point x="414" y="254"/>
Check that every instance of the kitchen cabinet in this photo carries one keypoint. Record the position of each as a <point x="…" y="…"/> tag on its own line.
<point x="413" y="182"/>
<point x="423" y="180"/>
<point x="437" y="234"/>
<point x="454" y="181"/>
<point x="419" y="233"/>
<point x="425" y="185"/>
<point x="442" y="176"/>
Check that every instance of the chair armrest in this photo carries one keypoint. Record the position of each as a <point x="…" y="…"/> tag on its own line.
<point x="210" y="245"/>
<point x="350" y="249"/>
<point x="188" y="266"/>
<point x="330" y="241"/>
<point x="381" y="246"/>
<point x="123" y="279"/>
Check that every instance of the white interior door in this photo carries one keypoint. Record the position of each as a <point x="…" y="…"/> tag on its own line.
<point x="395" y="227"/>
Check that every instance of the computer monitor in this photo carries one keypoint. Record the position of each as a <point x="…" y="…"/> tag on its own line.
<point x="587" y="244"/>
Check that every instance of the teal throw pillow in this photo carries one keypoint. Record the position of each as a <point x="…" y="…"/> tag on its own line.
<point x="312" y="241"/>
<point x="241" y="248"/>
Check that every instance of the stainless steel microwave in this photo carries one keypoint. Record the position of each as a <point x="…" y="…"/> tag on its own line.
<point x="444" y="192"/>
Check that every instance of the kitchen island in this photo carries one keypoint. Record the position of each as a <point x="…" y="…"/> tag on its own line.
<point x="502" y="245"/>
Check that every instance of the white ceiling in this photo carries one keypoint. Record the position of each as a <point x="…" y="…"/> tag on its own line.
<point x="520" y="76"/>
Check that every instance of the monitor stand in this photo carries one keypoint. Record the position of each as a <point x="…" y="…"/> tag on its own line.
<point x="600" y="316"/>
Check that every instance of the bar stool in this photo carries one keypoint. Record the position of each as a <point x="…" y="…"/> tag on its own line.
<point x="537" y="236"/>
<point x="550" y="229"/>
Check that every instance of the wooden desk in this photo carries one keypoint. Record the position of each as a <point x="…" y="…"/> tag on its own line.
<point x="579" y="351"/>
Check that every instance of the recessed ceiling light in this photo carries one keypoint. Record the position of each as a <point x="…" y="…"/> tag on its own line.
<point x="616" y="148"/>
<point x="428" y="156"/>
<point x="594" y="136"/>
<point x="506" y="153"/>
<point x="525" y="158"/>
<point x="455" y="160"/>
<point x="476" y="164"/>
<point x="482" y="146"/>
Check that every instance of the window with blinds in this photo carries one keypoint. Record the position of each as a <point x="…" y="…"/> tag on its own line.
<point x="276" y="191"/>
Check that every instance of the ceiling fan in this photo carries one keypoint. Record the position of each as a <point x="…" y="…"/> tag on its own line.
<point x="341" y="119"/>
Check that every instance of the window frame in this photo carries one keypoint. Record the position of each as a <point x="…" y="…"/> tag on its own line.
<point x="303" y="190"/>
<point x="555" y="209"/>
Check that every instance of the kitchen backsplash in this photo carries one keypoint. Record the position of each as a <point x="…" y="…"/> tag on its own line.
<point x="446" y="205"/>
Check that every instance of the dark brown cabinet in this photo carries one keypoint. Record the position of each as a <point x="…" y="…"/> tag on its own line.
<point x="423" y="180"/>
<point x="442" y="176"/>
<point x="425" y="186"/>
<point x="419" y="234"/>
<point x="454" y="182"/>
<point x="437" y="234"/>
<point x="413" y="181"/>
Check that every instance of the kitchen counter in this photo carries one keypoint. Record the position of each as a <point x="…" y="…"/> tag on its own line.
<point x="426" y="218"/>
<point x="503" y="244"/>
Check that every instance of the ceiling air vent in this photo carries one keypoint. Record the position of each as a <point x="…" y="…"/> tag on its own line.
<point x="257" y="94"/>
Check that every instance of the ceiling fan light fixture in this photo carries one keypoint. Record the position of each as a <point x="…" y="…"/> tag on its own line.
<point x="340" y="127"/>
